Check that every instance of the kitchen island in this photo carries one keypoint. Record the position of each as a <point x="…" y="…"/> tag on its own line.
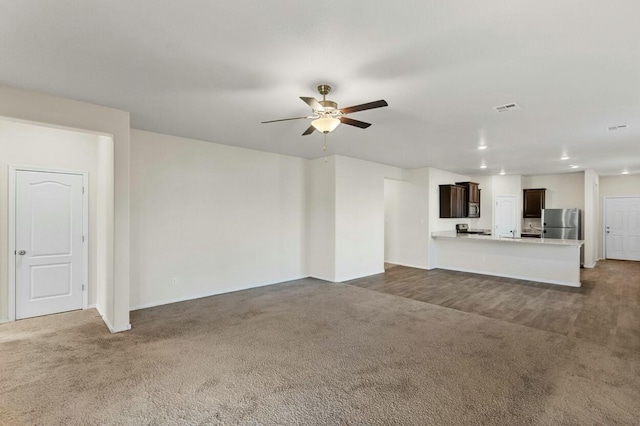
<point x="534" y="259"/>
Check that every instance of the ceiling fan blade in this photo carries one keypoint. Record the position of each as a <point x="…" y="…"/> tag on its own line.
<point x="370" y="105"/>
<point x="352" y="122"/>
<point x="313" y="103"/>
<point x="285" y="119"/>
<point x="309" y="131"/>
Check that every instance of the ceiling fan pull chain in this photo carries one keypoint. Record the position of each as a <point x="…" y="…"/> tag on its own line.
<point x="324" y="148"/>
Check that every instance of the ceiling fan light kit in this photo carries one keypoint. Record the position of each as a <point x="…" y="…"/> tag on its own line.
<point x="325" y="124"/>
<point x="327" y="116"/>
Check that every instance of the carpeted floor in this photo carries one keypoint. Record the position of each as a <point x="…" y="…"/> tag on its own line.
<point x="309" y="352"/>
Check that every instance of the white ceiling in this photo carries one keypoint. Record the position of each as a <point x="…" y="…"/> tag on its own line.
<point x="212" y="70"/>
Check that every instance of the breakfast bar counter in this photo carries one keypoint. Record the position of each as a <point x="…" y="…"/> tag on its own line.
<point x="534" y="259"/>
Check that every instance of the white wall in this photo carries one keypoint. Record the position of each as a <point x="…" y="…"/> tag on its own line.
<point x="590" y="233"/>
<point x="43" y="108"/>
<point x="345" y="199"/>
<point x="432" y="179"/>
<point x="614" y="186"/>
<point x="24" y="144"/>
<point x="321" y="218"/>
<point x="360" y="216"/>
<point x="215" y="217"/>
<point x="564" y="191"/>
<point x="406" y="216"/>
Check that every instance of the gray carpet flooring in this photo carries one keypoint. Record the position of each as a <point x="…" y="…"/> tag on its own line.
<point x="309" y="352"/>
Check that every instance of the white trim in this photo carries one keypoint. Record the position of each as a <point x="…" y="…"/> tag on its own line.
<point x="13" y="169"/>
<point x="408" y="265"/>
<point x="210" y="293"/>
<point x="54" y="126"/>
<point x="108" y="324"/>
<point x="604" y="220"/>
<point x="517" y="277"/>
<point x="12" y="243"/>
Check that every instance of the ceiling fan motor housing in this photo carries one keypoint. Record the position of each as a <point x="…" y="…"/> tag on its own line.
<point x="328" y="105"/>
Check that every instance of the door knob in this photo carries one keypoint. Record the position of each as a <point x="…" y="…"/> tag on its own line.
<point x="22" y="252"/>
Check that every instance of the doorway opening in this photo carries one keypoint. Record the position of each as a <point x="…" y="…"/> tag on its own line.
<point x="54" y="152"/>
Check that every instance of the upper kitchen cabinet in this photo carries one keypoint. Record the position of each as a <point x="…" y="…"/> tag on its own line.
<point x="472" y="199"/>
<point x="452" y="201"/>
<point x="473" y="191"/>
<point x="533" y="202"/>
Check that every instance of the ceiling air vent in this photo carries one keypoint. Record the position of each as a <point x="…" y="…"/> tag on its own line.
<point x="618" y="127"/>
<point x="507" y="107"/>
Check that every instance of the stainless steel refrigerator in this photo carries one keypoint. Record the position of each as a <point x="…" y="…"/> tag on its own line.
<point x="561" y="224"/>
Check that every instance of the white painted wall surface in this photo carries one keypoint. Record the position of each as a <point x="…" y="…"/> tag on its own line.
<point x="564" y="191"/>
<point x="590" y="218"/>
<point x="614" y="186"/>
<point x="214" y="217"/>
<point x="554" y="264"/>
<point x="104" y="221"/>
<point x="432" y="179"/>
<point x="27" y="144"/>
<point x="406" y="215"/>
<point x="321" y="218"/>
<point x="43" y="108"/>
<point x="360" y="217"/>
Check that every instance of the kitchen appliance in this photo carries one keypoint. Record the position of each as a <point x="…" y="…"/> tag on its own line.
<point x="562" y="224"/>
<point x="463" y="228"/>
<point x="473" y="210"/>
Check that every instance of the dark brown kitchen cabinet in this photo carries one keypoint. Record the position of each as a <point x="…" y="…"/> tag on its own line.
<point x="473" y="191"/>
<point x="472" y="199"/>
<point x="533" y="202"/>
<point x="452" y="201"/>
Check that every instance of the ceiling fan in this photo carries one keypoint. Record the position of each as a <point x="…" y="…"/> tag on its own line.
<point x="327" y="116"/>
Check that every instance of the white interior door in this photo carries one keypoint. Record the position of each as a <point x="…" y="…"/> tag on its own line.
<point x="48" y="242"/>
<point x="622" y="228"/>
<point x="506" y="216"/>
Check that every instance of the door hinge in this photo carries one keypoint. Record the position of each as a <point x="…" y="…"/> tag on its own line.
<point x="82" y="287"/>
<point x="83" y="189"/>
<point x="83" y="238"/>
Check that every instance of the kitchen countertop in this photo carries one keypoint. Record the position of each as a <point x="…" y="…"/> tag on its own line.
<point x="491" y="238"/>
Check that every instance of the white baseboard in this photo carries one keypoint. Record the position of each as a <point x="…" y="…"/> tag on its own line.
<point x="111" y="328"/>
<point x="205" y="294"/>
<point x="355" y="277"/>
<point x="3" y="320"/>
<point x="517" y="277"/>
<point x="408" y="265"/>
<point x="92" y="306"/>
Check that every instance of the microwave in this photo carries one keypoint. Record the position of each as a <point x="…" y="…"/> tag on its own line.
<point x="473" y="210"/>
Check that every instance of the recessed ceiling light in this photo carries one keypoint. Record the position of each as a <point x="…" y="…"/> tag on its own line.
<point x="502" y="172"/>
<point x="482" y="147"/>
<point x="564" y="157"/>
<point x="574" y="166"/>
<point x="484" y="166"/>
<point x="625" y="172"/>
